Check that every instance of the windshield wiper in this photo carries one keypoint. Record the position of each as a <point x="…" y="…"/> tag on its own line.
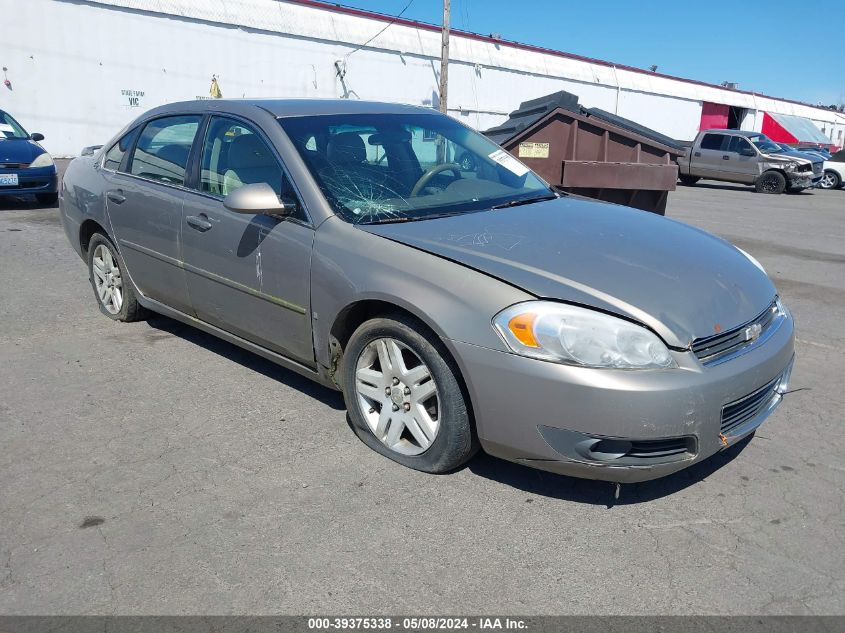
<point x="393" y="220"/>
<point x="415" y="218"/>
<point x="521" y="201"/>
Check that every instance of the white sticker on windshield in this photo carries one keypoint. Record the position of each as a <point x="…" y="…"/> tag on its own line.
<point x="5" y="129"/>
<point x="508" y="162"/>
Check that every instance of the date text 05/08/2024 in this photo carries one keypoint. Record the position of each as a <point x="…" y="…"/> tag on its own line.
<point x="415" y="623"/>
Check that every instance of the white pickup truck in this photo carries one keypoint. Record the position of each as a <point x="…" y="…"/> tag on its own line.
<point x="750" y="158"/>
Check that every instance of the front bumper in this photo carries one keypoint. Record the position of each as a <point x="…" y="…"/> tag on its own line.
<point x="31" y="181"/>
<point x="552" y="416"/>
<point x="803" y="179"/>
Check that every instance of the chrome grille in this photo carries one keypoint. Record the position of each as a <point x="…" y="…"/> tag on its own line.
<point x="711" y="349"/>
<point x="740" y="411"/>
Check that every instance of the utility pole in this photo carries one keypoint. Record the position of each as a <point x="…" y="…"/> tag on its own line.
<point x="444" y="57"/>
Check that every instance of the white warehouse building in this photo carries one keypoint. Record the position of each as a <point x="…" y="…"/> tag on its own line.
<point x="96" y="64"/>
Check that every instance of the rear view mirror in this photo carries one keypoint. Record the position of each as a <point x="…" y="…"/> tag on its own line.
<point x="389" y="138"/>
<point x="258" y="198"/>
<point x="747" y="151"/>
<point x="36" y="136"/>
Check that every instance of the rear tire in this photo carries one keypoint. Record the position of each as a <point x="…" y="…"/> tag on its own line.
<point x="428" y="428"/>
<point x="47" y="198"/>
<point x="113" y="289"/>
<point x="830" y="180"/>
<point x="688" y="180"/>
<point x="770" y="182"/>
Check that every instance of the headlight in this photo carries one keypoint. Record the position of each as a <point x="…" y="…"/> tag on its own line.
<point x="42" y="160"/>
<point x="752" y="260"/>
<point x="568" y="334"/>
<point x="789" y="166"/>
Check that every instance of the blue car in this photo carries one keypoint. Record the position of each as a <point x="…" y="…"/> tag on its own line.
<point x="25" y="166"/>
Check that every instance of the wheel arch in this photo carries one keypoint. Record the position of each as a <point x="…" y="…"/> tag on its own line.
<point x="86" y="231"/>
<point x="358" y="312"/>
<point x="351" y="316"/>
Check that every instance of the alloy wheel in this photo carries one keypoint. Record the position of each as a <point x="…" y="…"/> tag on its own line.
<point x="828" y="181"/>
<point x="770" y="184"/>
<point x="398" y="396"/>
<point x="107" y="279"/>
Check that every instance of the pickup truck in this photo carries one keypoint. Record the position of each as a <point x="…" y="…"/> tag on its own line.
<point x="750" y="158"/>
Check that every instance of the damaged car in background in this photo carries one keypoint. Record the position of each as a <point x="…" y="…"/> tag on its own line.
<point x="456" y="309"/>
<point x="749" y="158"/>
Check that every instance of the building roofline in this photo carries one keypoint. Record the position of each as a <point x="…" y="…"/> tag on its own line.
<point x="364" y="13"/>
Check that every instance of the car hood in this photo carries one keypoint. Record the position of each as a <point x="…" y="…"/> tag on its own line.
<point x="793" y="156"/>
<point x="19" y="150"/>
<point x="680" y="281"/>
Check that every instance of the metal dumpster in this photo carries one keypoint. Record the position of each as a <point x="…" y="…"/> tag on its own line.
<point x="591" y="152"/>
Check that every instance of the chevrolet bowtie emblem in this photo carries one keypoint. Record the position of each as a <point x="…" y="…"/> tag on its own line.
<point x="752" y="332"/>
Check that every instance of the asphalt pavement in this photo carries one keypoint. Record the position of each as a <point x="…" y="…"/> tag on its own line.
<point x="149" y="468"/>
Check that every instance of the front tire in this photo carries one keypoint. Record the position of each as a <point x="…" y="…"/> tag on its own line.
<point x="830" y="180"/>
<point x="112" y="288"/>
<point x="770" y="182"/>
<point x="688" y="180"/>
<point x="403" y="395"/>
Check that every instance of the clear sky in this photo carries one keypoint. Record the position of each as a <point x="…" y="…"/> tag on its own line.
<point x="779" y="48"/>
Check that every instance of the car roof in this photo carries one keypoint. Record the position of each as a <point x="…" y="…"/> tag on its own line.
<point x="295" y="107"/>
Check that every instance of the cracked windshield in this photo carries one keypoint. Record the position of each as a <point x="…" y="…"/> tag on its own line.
<point x="391" y="168"/>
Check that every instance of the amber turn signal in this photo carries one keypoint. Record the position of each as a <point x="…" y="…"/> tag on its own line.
<point x="522" y="326"/>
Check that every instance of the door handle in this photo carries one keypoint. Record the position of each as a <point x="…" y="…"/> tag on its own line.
<point x="697" y="154"/>
<point x="726" y="157"/>
<point x="199" y="222"/>
<point x="116" y="196"/>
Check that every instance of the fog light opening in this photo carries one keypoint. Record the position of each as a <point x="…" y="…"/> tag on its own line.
<point x="607" y="450"/>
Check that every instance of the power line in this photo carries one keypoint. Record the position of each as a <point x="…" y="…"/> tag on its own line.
<point x="386" y="26"/>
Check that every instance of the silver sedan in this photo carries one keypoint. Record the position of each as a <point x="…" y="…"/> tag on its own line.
<point x="455" y="298"/>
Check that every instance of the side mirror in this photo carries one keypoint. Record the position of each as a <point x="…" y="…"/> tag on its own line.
<point x="36" y="136"/>
<point x="747" y="151"/>
<point x="90" y="150"/>
<point x="258" y="198"/>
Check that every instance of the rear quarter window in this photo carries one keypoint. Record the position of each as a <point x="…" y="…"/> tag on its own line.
<point x="115" y="154"/>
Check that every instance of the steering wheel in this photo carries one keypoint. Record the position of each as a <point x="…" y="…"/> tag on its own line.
<point x="431" y="173"/>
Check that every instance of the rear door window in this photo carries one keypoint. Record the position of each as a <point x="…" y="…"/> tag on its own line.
<point x="163" y="149"/>
<point x="712" y="141"/>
